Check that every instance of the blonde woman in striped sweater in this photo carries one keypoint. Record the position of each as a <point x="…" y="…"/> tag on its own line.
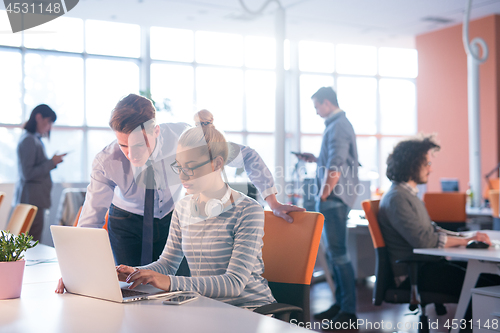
<point x="219" y="230"/>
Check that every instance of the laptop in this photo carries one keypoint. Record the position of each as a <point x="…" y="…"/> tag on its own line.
<point x="88" y="267"/>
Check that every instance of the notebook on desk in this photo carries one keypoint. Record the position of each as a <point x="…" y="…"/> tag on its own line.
<point x="88" y="268"/>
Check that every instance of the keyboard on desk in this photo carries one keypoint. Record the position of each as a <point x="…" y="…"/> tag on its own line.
<point x="130" y="292"/>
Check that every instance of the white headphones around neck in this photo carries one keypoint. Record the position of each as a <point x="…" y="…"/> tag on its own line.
<point x="213" y="207"/>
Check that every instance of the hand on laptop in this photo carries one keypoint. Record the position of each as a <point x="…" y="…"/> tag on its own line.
<point x="60" y="287"/>
<point x="143" y="276"/>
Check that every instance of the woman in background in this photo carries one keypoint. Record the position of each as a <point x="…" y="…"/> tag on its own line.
<point x="34" y="184"/>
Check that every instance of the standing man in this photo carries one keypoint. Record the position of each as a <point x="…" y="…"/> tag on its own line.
<point x="133" y="178"/>
<point x="336" y="177"/>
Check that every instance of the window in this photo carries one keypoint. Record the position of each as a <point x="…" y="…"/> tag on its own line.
<point x="172" y="44"/>
<point x="9" y="137"/>
<point x="97" y="140"/>
<point x="220" y="90"/>
<point x="58" y="82"/>
<point x="219" y="48"/>
<point x="63" y="34"/>
<point x="260" y="52"/>
<point x="316" y="57"/>
<point x="397" y="106"/>
<point x="70" y="141"/>
<point x="260" y="87"/>
<point x="8" y="39"/>
<point x="358" y="97"/>
<point x="264" y="145"/>
<point x="356" y="59"/>
<point x="398" y="62"/>
<point x="234" y="76"/>
<point x="107" y="82"/>
<point x="113" y="39"/>
<point x="11" y="87"/>
<point x="173" y="84"/>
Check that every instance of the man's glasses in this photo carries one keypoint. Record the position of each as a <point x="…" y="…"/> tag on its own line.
<point x="187" y="171"/>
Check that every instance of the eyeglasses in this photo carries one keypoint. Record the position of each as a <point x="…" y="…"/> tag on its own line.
<point x="187" y="171"/>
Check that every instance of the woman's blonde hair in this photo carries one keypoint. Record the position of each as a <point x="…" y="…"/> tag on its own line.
<point x="205" y="135"/>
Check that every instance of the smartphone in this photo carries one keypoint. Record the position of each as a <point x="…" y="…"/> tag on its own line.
<point x="296" y="153"/>
<point x="179" y="299"/>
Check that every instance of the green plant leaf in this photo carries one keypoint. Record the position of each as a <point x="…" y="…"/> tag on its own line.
<point x="12" y="247"/>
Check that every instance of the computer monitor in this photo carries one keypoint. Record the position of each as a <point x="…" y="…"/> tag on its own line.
<point x="449" y="184"/>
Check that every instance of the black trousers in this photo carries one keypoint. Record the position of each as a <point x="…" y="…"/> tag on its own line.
<point x="125" y="235"/>
<point x="36" y="229"/>
<point x="448" y="277"/>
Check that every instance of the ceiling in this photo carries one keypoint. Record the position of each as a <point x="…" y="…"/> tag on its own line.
<point x="369" y="22"/>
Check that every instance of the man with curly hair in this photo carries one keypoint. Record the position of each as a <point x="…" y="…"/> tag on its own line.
<point x="405" y="223"/>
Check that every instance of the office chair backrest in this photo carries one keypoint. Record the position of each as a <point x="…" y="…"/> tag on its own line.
<point x="371" y="211"/>
<point x="289" y="255"/>
<point x="2" y="196"/>
<point x="383" y="271"/>
<point x="105" y="226"/>
<point x="493" y="196"/>
<point x="22" y="218"/>
<point x="493" y="184"/>
<point x="446" y="206"/>
<point x="77" y="218"/>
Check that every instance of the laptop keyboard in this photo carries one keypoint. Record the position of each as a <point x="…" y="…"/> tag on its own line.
<point x="129" y="293"/>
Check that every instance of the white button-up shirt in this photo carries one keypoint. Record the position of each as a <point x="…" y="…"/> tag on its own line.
<point x="114" y="180"/>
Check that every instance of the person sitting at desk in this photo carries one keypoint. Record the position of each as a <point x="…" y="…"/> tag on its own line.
<point x="218" y="229"/>
<point x="406" y="225"/>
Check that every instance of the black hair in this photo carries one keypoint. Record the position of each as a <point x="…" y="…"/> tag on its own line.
<point x="404" y="163"/>
<point x="326" y="93"/>
<point x="45" y="111"/>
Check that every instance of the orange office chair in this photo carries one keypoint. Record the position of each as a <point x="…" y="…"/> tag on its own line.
<point x="2" y="196"/>
<point x="493" y="196"/>
<point x="22" y="218"/>
<point x="385" y="289"/>
<point x="105" y="226"/>
<point x="493" y="184"/>
<point x="77" y="216"/>
<point x="289" y="255"/>
<point x="447" y="209"/>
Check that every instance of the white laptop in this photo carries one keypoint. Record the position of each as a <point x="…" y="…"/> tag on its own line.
<point x="88" y="268"/>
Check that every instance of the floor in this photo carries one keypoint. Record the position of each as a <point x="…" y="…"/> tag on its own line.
<point x="384" y="318"/>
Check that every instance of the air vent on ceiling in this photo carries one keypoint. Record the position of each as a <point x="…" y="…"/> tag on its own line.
<point x="435" y="19"/>
<point x="240" y="16"/>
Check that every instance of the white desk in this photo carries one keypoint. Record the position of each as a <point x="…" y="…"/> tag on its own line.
<point x="40" y="309"/>
<point x="480" y="261"/>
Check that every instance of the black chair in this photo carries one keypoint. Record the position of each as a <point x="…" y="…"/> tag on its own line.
<point x="385" y="289"/>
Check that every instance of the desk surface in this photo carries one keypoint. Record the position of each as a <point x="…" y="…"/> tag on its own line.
<point x="40" y="309"/>
<point x="478" y="211"/>
<point x="490" y="254"/>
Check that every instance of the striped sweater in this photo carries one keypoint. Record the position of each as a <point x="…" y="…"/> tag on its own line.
<point x="224" y="253"/>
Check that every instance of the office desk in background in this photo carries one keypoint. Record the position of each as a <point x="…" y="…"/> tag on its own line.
<point x="479" y="218"/>
<point x="40" y="309"/>
<point x="479" y="261"/>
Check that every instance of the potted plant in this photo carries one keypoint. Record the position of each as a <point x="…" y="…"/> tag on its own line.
<point x="12" y="248"/>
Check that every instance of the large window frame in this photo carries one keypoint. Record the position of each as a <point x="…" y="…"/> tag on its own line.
<point x="293" y="74"/>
